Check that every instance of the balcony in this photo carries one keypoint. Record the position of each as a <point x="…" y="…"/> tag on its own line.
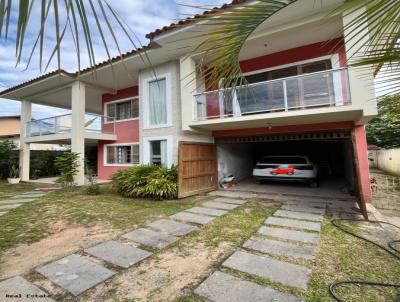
<point x="319" y="90"/>
<point x="59" y="128"/>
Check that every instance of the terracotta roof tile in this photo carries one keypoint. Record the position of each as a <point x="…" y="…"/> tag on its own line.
<point x="128" y="54"/>
<point x="189" y="20"/>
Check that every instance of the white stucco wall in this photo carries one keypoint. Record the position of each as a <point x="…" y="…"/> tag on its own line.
<point x="174" y="130"/>
<point x="235" y="159"/>
<point x="386" y="160"/>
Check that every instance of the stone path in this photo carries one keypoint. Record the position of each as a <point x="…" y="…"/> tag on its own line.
<point x="291" y="233"/>
<point x="18" y="200"/>
<point x="78" y="273"/>
<point x="223" y="287"/>
<point x="16" y="286"/>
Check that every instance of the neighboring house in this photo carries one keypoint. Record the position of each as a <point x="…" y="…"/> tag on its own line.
<point x="307" y="100"/>
<point x="10" y="128"/>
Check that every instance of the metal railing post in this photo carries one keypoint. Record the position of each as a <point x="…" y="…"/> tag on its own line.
<point x="285" y="95"/>
<point x="55" y="125"/>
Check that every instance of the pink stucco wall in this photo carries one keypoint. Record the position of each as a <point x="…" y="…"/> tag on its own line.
<point x="126" y="131"/>
<point x="360" y="143"/>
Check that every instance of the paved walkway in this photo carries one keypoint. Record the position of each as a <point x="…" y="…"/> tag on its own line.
<point x="18" y="200"/>
<point x="291" y="233"/>
<point x="78" y="273"/>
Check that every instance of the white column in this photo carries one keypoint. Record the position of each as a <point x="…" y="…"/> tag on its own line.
<point x="78" y="128"/>
<point x="24" y="153"/>
<point x="361" y="78"/>
<point x="190" y="83"/>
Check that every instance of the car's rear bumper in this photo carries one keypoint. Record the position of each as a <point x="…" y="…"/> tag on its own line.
<point x="298" y="175"/>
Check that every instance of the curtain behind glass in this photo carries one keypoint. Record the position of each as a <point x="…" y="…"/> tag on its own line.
<point x="163" y="147"/>
<point x="157" y="102"/>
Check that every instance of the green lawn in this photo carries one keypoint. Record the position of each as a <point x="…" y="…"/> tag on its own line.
<point x="340" y="257"/>
<point x="7" y="190"/>
<point x="29" y="223"/>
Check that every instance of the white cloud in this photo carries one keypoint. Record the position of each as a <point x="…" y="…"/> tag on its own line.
<point x="142" y="16"/>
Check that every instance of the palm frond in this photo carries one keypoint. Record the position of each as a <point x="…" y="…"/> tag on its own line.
<point x="225" y="34"/>
<point x="373" y="40"/>
<point x="67" y="18"/>
<point x="372" y="37"/>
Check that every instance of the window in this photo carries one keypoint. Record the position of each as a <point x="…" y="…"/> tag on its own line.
<point x="122" y="154"/>
<point x="157" y="103"/>
<point x="122" y="110"/>
<point x="158" y="152"/>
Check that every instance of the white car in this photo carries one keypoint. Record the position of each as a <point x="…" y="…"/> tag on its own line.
<point x="296" y="168"/>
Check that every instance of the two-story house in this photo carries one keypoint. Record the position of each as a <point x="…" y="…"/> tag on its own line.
<point x="307" y="101"/>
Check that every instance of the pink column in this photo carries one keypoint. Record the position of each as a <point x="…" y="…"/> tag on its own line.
<point x="361" y="163"/>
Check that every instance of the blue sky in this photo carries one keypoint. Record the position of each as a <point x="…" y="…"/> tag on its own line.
<point x="142" y="16"/>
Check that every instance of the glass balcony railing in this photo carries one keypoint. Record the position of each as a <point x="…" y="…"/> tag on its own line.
<point x="63" y="124"/>
<point x="313" y="90"/>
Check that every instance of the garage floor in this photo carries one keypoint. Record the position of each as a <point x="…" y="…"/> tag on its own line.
<point x="329" y="188"/>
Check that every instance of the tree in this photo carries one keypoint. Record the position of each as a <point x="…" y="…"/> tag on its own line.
<point x="384" y="130"/>
<point x="71" y="17"/>
<point x="8" y="157"/>
<point x="227" y="30"/>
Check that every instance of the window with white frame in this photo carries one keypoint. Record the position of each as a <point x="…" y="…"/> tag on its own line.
<point x="157" y="110"/>
<point x="122" y="154"/>
<point x="158" y="152"/>
<point x="122" y="110"/>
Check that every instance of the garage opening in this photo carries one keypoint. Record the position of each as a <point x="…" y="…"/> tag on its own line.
<point x="331" y="152"/>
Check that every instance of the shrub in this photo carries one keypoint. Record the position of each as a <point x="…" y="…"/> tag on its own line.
<point x="147" y="181"/>
<point x="8" y="157"/>
<point x="67" y="164"/>
<point x="93" y="189"/>
<point x="14" y="172"/>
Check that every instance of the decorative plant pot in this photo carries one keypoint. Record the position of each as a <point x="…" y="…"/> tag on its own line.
<point x="13" y="181"/>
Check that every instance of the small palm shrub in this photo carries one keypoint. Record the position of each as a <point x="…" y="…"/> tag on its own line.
<point x="67" y="163"/>
<point x="147" y="181"/>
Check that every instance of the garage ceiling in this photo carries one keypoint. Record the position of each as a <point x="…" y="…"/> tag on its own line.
<point x="323" y="135"/>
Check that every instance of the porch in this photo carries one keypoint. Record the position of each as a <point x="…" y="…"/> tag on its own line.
<point x="82" y="128"/>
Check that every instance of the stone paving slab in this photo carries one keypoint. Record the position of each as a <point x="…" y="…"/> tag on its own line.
<point x="301" y="208"/>
<point x="222" y="287"/>
<point x="220" y="205"/>
<point x="194" y="218"/>
<point x="151" y="238"/>
<point x="231" y="200"/>
<point x="289" y="234"/>
<point x="33" y="192"/>
<point x="268" y="268"/>
<point x="172" y="227"/>
<point x="9" y="206"/>
<point x="299" y="215"/>
<point x="15" y="201"/>
<point x="118" y="253"/>
<point x="232" y="194"/>
<point x="27" y="196"/>
<point x="280" y="248"/>
<point x="297" y="224"/>
<point x="75" y="274"/>
<point x="207" y="211"/>
<point x="19" y="286"/>
<point x="313" y="202"/>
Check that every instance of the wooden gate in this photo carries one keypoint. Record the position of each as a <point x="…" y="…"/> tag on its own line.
<point x="197" y="168"/>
